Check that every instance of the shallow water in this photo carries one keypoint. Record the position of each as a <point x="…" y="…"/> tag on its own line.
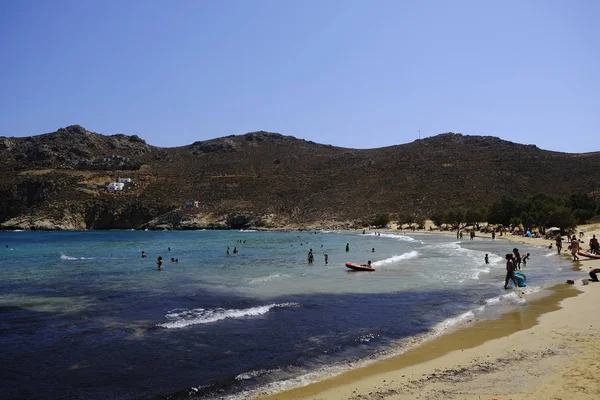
<point x="83" y="315"/>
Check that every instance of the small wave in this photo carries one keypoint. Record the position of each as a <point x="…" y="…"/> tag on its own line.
<point x="263" y="279"/>
<point x="449" y="323"/>
<point x="401" y="238"/>
<point x="255" y="374"/>
<point x="247" y="230"/>
<point x="549" y="254"/>
<point x="65" y="257"/>
<point x="477" y="272"/>
<point x="180" y="318"/>
<point x="393" y="259"/>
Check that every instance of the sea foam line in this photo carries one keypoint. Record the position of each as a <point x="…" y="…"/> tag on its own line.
<point x="65" y="257"/>
<point x="393" y="259"/>
<point x="264" y="279"/>
<point x="180" y="318"/>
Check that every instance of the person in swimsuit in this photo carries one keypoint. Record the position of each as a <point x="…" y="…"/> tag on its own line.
<point x="510" y="271"/>
<point x="574" y="248"/>
<point x="517" y="259"/>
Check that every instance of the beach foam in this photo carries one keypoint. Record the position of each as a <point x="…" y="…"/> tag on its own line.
<point x="255" y="374"/>
<point x="394" y="259"/>
<point x="65" y="257"/>
<point x="180" y="318"/>
<point x="401" y="238"/>
<point x="264" y="279"/>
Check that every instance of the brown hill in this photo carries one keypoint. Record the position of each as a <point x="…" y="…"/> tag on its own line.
<point x="50" y="181"/>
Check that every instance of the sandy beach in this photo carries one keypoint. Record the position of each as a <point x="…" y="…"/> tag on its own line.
<point x="549" y="349"/>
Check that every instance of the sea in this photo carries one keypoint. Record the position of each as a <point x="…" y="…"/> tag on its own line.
<point x="84" y="316"/>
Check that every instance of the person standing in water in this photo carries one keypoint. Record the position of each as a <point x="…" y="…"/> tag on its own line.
<point x="524" y="260"/>
<point x="510" y="271"/>
<point x="144" y="255"/>
<point x="347" y="246"/>
<point x="517" y="259"/>
<point x="227" y="252"/>
<point x="310" y="257"/>
<point x="559" y="243"/>
<point x="326" y="259"/>
<point x="159" y="262"/>
<point x="487" y="260"/>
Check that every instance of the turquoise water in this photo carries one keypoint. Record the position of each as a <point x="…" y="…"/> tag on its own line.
<point x="96" y="320"/>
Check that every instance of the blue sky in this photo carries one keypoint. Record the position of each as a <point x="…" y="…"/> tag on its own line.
<point x="356" y="74"/>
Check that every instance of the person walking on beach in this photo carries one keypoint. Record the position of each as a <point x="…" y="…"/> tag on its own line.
<point x="559" y="243"/>
<point x="510" y="271"/>
<point x="517" y="258"/>
<point x="460" y="235"/>
<point x="457" y="233"/>
<point x="493" y="235"/>
<point x="574" y="248"/>
<point x="347" y="246"/>
<point x="159" y="263"/>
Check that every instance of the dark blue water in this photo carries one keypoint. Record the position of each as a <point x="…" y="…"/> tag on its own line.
<point x="82" y="315"/>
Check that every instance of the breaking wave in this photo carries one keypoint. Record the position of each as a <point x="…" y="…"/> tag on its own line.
<point x="394" y="259"/>
<point x="180" y="318"/>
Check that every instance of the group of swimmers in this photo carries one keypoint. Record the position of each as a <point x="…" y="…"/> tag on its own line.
<point x="159" y="260"/>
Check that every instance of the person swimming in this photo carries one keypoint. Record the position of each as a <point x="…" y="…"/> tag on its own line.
<point x="159" y="262"/>
<point x="144" y="255"/>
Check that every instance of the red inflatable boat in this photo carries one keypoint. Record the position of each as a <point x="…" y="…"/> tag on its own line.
<point x="357" y="267"/>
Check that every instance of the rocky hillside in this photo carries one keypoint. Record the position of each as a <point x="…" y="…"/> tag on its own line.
<point x="57" y="180"/>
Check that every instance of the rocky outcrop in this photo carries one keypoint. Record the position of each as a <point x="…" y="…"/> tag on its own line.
<point x="184" y="220"/>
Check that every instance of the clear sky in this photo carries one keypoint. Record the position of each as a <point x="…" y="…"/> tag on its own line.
<point x="356" y="74"/>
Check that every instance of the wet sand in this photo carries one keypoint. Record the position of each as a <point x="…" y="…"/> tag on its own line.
<point x="549" y="348"/>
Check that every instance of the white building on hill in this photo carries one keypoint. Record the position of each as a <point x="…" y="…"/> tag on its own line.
<point x="115" y="186"/>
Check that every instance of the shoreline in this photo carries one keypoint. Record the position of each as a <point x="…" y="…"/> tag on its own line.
<point x="555" y="333"/>
<point x="453" y="365"/>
